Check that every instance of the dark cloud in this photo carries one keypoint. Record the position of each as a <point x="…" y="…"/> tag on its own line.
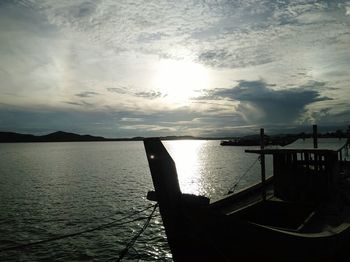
<point x="106" y="123"/>
<point x="45" y="120"/>
<point x="144" y="94"/>
<point x="84" y="9"/>
<point x="182" y="121"/>
<point x="260" y="103"/>
<point x="72" y="103"/>
<point x="81" y="103"/>
<point x="213" y="57"/>
<point x="149" y="95"/>
<point x="87" y="94"/>
<point x="332" y="115"/>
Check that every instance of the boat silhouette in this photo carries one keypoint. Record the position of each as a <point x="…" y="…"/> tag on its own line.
<point x="300" y="213"/>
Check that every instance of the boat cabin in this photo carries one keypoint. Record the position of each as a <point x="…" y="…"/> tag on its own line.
<point x="302" y="173"/>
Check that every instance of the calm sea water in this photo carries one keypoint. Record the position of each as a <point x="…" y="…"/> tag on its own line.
<point x="51" y="189"/>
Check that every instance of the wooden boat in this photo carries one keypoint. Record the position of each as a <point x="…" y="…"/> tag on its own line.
<point x="301" y="214"/>
<point x="238" y="142"/>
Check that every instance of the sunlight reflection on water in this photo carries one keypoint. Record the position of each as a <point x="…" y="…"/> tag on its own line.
<point x="187" y="156"/>
<point x="206" y="168"/>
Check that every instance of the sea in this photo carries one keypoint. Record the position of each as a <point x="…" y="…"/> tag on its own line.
<point x="86" y="201"/>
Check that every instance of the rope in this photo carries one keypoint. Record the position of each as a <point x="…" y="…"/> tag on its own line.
<point x="233" y="188"/>
<point x="101" y="227"/>
<point x="133" y="240"/>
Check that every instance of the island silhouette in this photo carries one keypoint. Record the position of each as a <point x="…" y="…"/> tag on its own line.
<point x="61" y="136"/>
<point x="248" y="140"/>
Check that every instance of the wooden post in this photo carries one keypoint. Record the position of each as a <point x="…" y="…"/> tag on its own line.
<point x="262" y="162"/>
<point x="348" y="139"/>
<point x="314" y="135"/>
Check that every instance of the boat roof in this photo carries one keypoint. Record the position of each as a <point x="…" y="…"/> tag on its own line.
<point x="334" y="144"/>
<point x="307" y="144"/>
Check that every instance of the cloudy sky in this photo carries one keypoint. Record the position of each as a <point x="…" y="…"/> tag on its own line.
<point x="143" y="68"/>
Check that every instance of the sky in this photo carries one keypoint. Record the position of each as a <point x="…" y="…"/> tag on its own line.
<point x="153" y="68"/>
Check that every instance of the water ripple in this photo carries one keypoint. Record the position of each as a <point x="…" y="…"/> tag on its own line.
<point x="51" y="189"/>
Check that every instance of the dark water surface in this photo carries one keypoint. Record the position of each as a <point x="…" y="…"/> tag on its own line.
<point x="51" y="189"/>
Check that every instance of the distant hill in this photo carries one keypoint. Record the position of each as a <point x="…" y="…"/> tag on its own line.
<point x="59" y="136"/>
<point x="15" y="137"/>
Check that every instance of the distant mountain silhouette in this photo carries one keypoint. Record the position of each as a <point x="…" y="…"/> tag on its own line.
<point x="15" y="137"/>
<point x="59" y="136"/>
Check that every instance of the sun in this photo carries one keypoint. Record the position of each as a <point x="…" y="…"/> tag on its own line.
<point x="180" y="80"/>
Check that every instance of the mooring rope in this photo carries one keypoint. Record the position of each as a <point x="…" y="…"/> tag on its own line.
<point x="131" y="243"/>
<point x="117" y="222"/>
<point x="233" y="188"/>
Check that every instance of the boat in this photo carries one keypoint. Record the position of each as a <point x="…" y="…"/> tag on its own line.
<point x="239" y="142"/>
<point x="251" y="141"/>
<point x="255" y="141"/>
<point x="300" y="213"/>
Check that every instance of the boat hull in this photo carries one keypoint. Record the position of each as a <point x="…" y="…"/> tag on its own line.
<point x="228" y="230"/>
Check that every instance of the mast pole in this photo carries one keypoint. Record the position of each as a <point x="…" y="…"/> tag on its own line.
<point x="262" y="163"/>
<point x="314" y="135"/>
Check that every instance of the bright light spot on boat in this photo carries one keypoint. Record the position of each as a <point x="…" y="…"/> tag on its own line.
<point x="186" y="154"/>
<point x="180" y="80"/>
<point x="151" y="156"/>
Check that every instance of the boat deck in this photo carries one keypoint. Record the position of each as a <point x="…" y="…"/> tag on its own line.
<point x="329" y="218"/>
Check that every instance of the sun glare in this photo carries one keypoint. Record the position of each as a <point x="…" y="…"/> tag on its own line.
<point x="180" y="80"/>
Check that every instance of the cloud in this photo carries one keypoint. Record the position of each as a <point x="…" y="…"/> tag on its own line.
<point x="227" y="34"/>
<point x="141" y="94"/>
<point x="28" y="45"/>
<point x="86" y="94"/>
<point x="80" y="103"/>
<point x="130" y="119"/>
<point x="149" y="128"/>
<point x="53" y="51"/>
<point x="119" y="90"/>
<point x="150" y="37"/>
<point x="184" y="121"/>
<point x="239" y="58"/>
<point x="149" y="95"/>
<point x="45" y="120"/>
<point x="261" y="103"/>
<point x="265" y="32"/>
